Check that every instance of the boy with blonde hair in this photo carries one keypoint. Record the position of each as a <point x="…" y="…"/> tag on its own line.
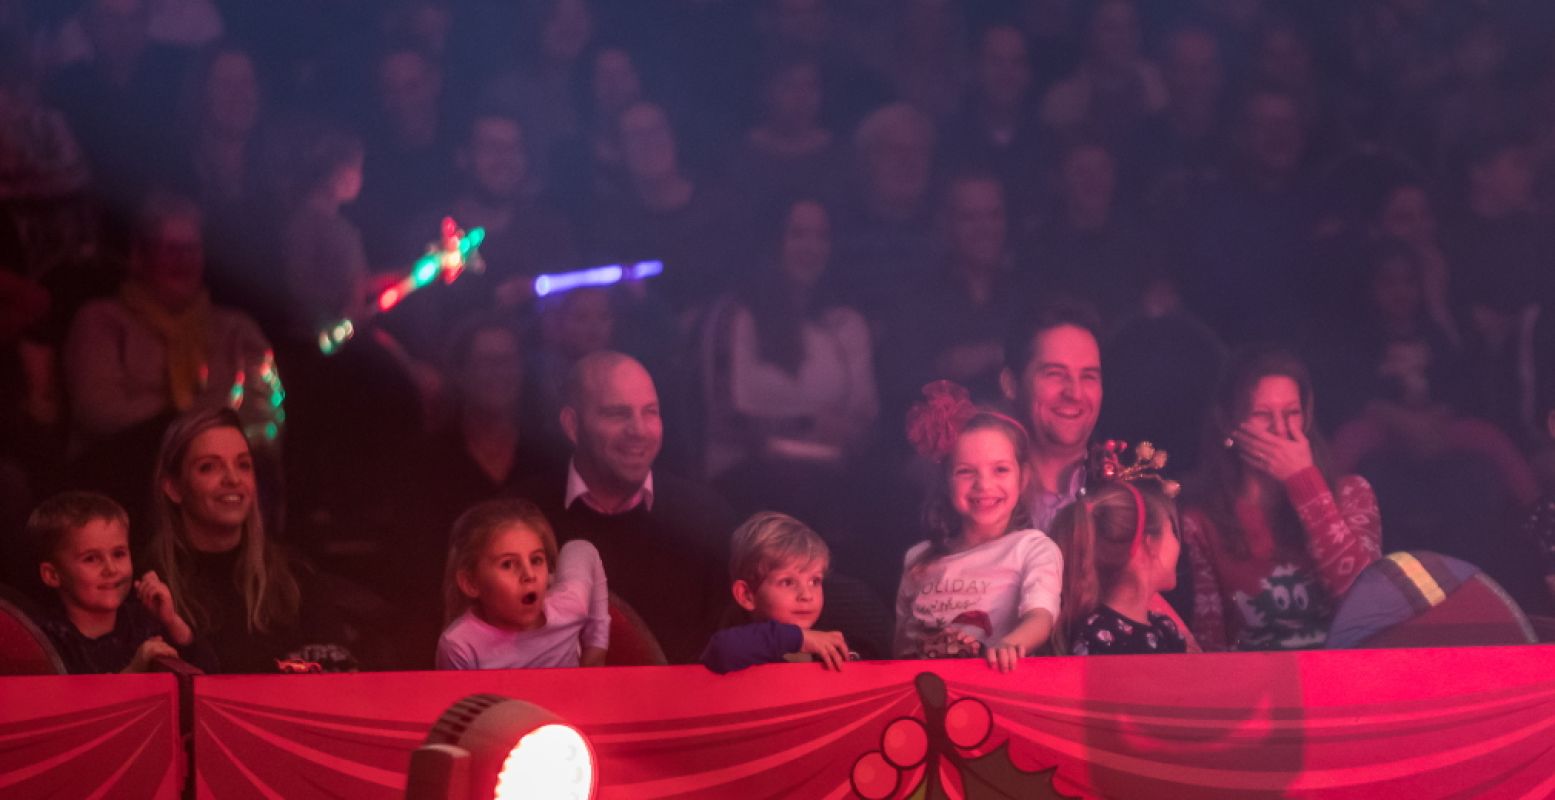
<point x="777" y="565"/>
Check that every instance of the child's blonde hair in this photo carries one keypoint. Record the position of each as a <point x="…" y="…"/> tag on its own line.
<point x="474" y="530"/>
<point x="769" y="540"/>
<point x="1097" y="537"/>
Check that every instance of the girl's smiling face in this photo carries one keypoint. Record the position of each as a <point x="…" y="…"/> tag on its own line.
<point x="986" y="481"/>
<point x="510" y="578"/>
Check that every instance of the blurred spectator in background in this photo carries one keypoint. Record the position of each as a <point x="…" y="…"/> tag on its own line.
<point x="428" y="24"/>
<point x="929" y="61"/>
<point x="482" y="451"/>
<point x="883" y="235"/>
<point x="1389" y="346"/>
<point x="120" y="101"/>
<point x="789" y="152"/>
<point x="1500" y="243"/>
<point x="1408" y="216"/>
<point x="996" y="128"/>
<point x="665" y="214"/>
<point x="810" y="28"/>
<point x="1471" y="103"/>
<point x="1283" y="60"/>
<point x="1450" y="482"/>
<point x="40" y="157"/>
<point x="552" y="59"/>
<point x="408" y="160"/>
<point x="1091" y="247"/>
<point x="50" y="259"/>
<point x="176" y="23"/>
<point x="1054" y="30"/>
<point x="1181" y="148"/>
<point x="793" y="395"/>
<point x="952" y="325"/>
<point x="581" y="165"/>
<point x="221" y="108"/>
<point x="372" y="397"/>
<point x="524" y="236"/>
<point x="1248" y="235"/>
<point x="1114" y="88"/>
<point x="160" y="347"/>
<point x="325" y="265"/>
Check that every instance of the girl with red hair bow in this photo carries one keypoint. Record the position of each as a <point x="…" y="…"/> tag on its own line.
<point x="985" y="582"/>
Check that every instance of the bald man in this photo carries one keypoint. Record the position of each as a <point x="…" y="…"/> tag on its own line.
<point x="661" y="537"/>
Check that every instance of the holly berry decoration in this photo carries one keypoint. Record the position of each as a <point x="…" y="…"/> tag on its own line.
<point x="946" y="730"/>
<point x="1148" y="461"/>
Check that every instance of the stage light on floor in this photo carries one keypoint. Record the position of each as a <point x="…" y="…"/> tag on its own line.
<point x="489" y="746"/>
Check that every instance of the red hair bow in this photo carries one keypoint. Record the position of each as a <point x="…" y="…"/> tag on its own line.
<point x="934" y="423"/>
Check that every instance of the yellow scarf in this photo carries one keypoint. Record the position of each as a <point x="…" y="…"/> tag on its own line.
<point x="186" y="334"/>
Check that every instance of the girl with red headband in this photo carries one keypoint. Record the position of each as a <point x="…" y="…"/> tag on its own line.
<point x="985" y="582"/>
<point x="1120" y="546"/>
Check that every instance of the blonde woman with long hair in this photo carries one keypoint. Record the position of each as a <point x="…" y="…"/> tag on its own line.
<point x="238" y="589"/>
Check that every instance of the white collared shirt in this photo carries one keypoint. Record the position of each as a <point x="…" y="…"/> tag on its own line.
<point x="578" y="489"/>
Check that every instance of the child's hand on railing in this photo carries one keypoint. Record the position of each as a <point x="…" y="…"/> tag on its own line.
<point x="828" y="647"/>
<point x="1002" y="656"/>
<point x="148" y="652"/>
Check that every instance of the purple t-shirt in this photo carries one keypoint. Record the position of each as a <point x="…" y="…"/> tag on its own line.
<point x="577" y="614"/>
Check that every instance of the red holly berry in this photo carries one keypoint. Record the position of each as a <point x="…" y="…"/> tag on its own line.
<point x="905" y="743"/>
<point x="873" y="777"/>
<point x="968" y="723"/>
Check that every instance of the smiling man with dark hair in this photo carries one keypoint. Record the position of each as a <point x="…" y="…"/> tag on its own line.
<point x="1052" y="374"/>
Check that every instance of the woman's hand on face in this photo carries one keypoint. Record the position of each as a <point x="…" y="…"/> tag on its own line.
<point x="1277" y="456"/>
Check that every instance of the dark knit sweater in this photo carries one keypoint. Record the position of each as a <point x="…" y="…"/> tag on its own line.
<point x="668" y="563"/>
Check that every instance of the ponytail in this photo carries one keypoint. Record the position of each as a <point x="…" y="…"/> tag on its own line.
<point x="1075" y="533"/>
<point x="1098" y="535"/>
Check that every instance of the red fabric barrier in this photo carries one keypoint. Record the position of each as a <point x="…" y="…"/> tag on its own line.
<point x="90" y="736"/>
<point x="1474" y="722"/>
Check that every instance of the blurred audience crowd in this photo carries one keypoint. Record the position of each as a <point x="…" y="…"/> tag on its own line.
<point x="851" y="198"/>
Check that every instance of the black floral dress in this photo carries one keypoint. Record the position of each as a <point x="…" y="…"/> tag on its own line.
<point x="1106" y="632"/>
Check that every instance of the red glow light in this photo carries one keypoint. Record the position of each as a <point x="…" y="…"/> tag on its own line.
<point x="389" y="299"/>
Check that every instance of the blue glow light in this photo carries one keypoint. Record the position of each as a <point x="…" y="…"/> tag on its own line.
<point x="556" y="283"/>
